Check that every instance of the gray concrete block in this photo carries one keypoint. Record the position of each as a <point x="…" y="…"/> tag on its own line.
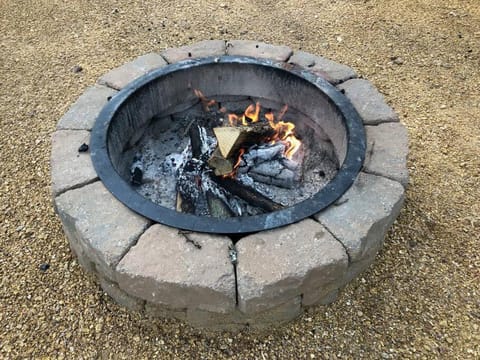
<point x="231" y="321"/>
<point x="100" y="223"/>
<point x="119" y="77"/>
<point x="323" y="294"/>
<point x="387" y="151"/>
<point x="79" y="249"/>
<point x="236" y="320"/>
<point x="120" y="296"/>
<point x="201" y="49"/>
<point x="165" y="267"/>
<point x="258" y="49"/>
<point x="83" y="113"/>
<point x="331" y="70"/>
<point x="368" y="101"/>
<point x="277" y="315"/>
<point x="164" y="312"/>
<point x="69" y="168"/>
<point x="277" y="265"/>
<point x="362" y="216"/>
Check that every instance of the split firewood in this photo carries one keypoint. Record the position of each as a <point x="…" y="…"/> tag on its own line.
<point x="231" y="138"/>
<point x="220" y="165"/>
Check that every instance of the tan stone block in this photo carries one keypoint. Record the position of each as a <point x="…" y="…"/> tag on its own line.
<point x="258" y="49"/>
<point x="362" y="216"/>
<point x="69" y="168"/>
<point x="387" y="151"/>
<point x="201" y="49"/>
<point x="100" y="223"/>
<point x="119" y="77"/>
<point x="169" y="268"/>
<point x="277" y="265"/>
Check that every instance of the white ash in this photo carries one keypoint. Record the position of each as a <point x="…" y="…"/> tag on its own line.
<point x="208" y="142"/>
<point x="267" y="164"/>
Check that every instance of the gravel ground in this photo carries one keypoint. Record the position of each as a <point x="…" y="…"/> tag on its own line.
<point x="420" y="299"/>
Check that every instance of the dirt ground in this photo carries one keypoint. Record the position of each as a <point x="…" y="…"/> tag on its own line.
<point x="421" y="299"/>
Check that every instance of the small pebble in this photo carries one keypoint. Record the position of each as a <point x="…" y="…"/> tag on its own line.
<point x="397" y="60"/>
<point x="77" y="68"/>
<point x="44" y="267"/>
<point x="83" y="148"/>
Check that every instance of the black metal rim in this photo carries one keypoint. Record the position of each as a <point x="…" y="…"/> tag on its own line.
<point x="124" y="192"/>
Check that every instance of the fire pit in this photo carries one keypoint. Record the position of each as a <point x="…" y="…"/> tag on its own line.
<point x="181" y="148"/>
<point x="231" y="171"/>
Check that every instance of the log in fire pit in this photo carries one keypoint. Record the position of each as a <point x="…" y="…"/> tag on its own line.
<point x="239" y="196"/>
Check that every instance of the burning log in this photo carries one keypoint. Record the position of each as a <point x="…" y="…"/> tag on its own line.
<point x="248" y="194"/>
<point x="231" y="138"/>
<point x="267" y="164"/>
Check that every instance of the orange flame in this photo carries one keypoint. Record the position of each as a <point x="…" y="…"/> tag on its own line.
<point x="251" y="115"/>
<point x="206" y="103"/>
<point x="284" y="132"/>
<point x="237" y="164"/>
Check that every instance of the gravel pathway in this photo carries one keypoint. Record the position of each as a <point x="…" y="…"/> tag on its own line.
<point x="420" y="299"/>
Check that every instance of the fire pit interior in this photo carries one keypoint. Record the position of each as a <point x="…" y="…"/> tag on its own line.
<point x="228" y="144"/>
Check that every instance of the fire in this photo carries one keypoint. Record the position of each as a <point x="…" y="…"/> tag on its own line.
<point x="206" y="103"/>
<point x="284" y="131"/>
<point x="251" y="115"/>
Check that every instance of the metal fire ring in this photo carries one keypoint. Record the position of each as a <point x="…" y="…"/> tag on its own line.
<point x="123" y="191"/>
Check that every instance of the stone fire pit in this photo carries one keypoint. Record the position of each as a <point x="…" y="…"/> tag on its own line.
<point x="261" y="279"/>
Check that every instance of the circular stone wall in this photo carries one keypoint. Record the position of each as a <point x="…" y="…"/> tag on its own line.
<point x="206" y="280"/>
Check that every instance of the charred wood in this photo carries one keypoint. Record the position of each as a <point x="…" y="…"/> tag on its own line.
<point x="189" y="185"/>
<point x="267" y="164"/>
<point x="248" y="194"/>
<point x="217" y="207"/>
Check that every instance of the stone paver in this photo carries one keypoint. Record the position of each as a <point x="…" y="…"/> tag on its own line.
<point x="69" y="168"/>
<point x="236" y="320"/>
<point x="361" y="217"/>
<point x="277" y="265"/>
<point x="368" y="101"/>
<point x="258" y="49"/>
<point x="387" y="151"/>
<point x="165" y="312"/>
<point x="120" y="296"/>
<point x="100" y="223"/>
<point x="335" y="72"/>
<point x="201" y="49"/>
<point x="81" y="251"/>
<point x="83" y="113"/>
<point x="359" y="266"/>
<point x="119" y="77"/>
<point x="166" y="268"/>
